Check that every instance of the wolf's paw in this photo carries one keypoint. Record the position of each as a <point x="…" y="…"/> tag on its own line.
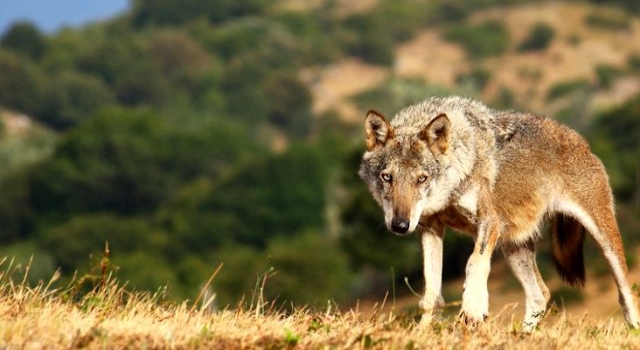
<point x="470" y="320"/>
<point x="475" y="306"/>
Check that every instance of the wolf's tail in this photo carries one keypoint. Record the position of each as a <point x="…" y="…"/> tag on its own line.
<point x="567" y="237"/>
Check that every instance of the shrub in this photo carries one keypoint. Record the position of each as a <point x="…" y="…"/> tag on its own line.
<point x="608" y="20"/>
<point x="481" y="40"/>
<point x="478" y="78"/>
<point x="565" y="88"/>
<point x="606" y="75"/>
<point x="538" y="39"/>
<point x="633" y="62"/>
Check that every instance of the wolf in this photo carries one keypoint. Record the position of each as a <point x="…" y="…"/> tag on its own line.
<point x="498" y="176"/>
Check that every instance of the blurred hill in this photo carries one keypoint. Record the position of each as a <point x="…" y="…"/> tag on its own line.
<point x="229" y="132"/>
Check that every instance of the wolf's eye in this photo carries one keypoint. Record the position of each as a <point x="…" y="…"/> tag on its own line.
<point x="385" y="177"/>
<point x="422" y="179"/>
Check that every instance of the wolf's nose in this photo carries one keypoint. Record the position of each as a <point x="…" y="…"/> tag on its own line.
<point x="400" y="225"/>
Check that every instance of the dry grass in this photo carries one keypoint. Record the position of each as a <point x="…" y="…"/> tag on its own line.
<point x="111" y="317"/>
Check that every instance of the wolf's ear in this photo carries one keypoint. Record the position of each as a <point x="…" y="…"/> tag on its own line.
<point x="378" y="129"/>
<point x="437" y="134"/>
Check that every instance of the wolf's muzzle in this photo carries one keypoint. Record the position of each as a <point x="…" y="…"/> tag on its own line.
<point x="399" y="225"/>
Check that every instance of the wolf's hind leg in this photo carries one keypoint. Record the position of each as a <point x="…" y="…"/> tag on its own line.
<point x="601" y="225"/>
<point x="522" y="260"/>
<point x="432" y="301"/>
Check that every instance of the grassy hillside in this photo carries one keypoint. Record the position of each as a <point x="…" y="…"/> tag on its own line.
<point x="592" y="49"/>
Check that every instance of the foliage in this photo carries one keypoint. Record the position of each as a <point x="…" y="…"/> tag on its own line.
<point x="627" y="5"/>
<point x="20" y="83"/>
<point x="286" y="273"/>
<point x="83" y="238"/>
<point x="25" y="38"/>
<point x="480" y="40"/>
<point x="633" y="62"/>
<point x="477" y="78"/>
<point x="538" y="38"/>
<point x="126" y="162"/>
<point x="319" y="37"/>
<point x="397" y="93"/>
<point x="69" y="97"/>
<point x="412" y="12"/>
<point x="370" y="39"/>
<point x="606" y="75"/>
<point x="164" y="12"/>
<point x="301" y="277"/>
<point x="566" y="88"/>
<point x="29" y="260"/>
<point x="290" y="104"/>
<point x="214" y="213"/>
<point x="566" y="296"/>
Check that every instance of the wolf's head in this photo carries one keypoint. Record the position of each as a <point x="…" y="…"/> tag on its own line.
<point x="403" y="171"/>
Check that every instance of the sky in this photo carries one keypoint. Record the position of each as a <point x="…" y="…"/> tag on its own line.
<point x="51" y="15"/>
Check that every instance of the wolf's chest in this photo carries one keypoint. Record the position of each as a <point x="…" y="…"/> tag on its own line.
<point x="459" y="219"/>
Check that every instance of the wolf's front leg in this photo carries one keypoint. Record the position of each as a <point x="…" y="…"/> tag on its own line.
<point x="432" y="301"/>
<point x="475" y="297"/>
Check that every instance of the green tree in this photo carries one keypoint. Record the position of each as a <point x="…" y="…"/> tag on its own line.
<point x="290" y="269"/>
<point x="243" y="271"/>
<point x="129" y="162"/>
<point x="111" y="59"/>
<point x="21" y="84"/>
<point x="290" y="103"/>
<point x="25" y="38"/>
<point x="16" y="211"/>
<point x="371" y="40"/>
<point x="76" y="242"/>
<point x="142" y="84"/>
<point x="274" y="195"/>
<point x="135" y="250"/>
<point x="167" y="12"/>
<point x="303" y="276"/>
<point x="71" y="97"/>
<point x="267" y="39"/>
<point x="182" y="61"/>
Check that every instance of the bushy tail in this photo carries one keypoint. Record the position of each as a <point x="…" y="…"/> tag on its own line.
<point x="567" y="237"/>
